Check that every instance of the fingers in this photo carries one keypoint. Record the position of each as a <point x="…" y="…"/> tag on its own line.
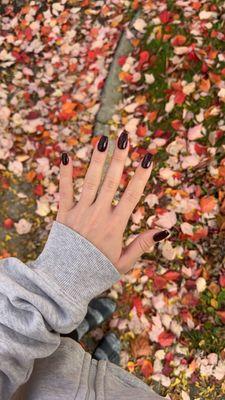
<point x="93" y="176"/>
<point x="134" y="189"/>
<point x="66" y="183"/>
<point x="115" y="170"/>
<point x="142" y="244"/>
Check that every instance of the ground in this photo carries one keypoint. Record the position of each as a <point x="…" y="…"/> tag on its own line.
<point x="71" y="70"/>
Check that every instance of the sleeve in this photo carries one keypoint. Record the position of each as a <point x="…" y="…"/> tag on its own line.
<point x="46" y="297"/>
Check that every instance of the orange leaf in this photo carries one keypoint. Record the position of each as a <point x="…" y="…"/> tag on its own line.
<point x="207" y="204"/>
<point x="215" y="78"/>
<point x="221" y="314"/>
<point x="135" y="4"/>
<point x="199" y="234"/>
<point x="141" y="130"/>
<point x="147" y="368"/>
<point x="125" y="76"/>
<point x="137" y="303"/>
<point x="179" y="40"/>
<point x="68" y="107"/>
<point x="30" y="176"/>
<point x="71" y="141"/>
<point x="152" y="116"/>
<point x="205" y="85"/>
<point x="196" y="5"/>
<point x="222" y="171"/>
<point x="212" y="54"/>
<point x="136" y="272"/>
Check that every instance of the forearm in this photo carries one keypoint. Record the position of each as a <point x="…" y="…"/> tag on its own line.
<point x="44" y="298"/>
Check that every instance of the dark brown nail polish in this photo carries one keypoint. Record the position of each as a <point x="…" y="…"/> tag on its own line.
<point x="147" y="160"/>
<point x="160" y="235"/>
<point x="123" y="140"/>
<point x="65" y="158"/>
<point x="103" y="142"/>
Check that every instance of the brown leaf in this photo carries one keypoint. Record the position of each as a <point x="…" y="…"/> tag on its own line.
<point x="140" y="346"/>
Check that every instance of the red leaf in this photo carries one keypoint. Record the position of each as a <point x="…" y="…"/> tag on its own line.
<point x="137" y="303"/>
<point x="165" y="339"/>
<point x="172" y="276"/>
<point x="147" y="368"/>
<point x="28" y="34"/>
<point x="150" y="271"/>
<point x="33" y="115"/>
<point x="189" y="300"/>
<point x="144" y="56"/>
<point x="141" y="130"/>
<point x="122" y="60"/>
<point x="38" y="190"/>
<point x="176" y="124"/>
<point x="179" y="98"/>
<point x="199" y="234"/>
<point x="165" y="16"/>
<point x="159" y="282"/>
<point x="222" y="281"/>
<point x="91" y="55"/>
<point x="200" y="150"/>
<point x="8" y="223"/>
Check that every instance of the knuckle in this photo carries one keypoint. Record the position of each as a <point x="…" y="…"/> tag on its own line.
<point x="89" y="185"/>
<point x="132" y="196"/>
<point x="97" y="161"/>
<point x="110" y="183"/>
<point x="63" y="194"/>
<point x="144" y="244"/>
<point x="118" y="158"/>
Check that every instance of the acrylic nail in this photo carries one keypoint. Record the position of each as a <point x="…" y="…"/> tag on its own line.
<point x="161" y="235"/>
<point x="103" y="142"/>
<point x="147" y="160"/>
<point x="65" y="158"/>
<point x="123" y="140"/>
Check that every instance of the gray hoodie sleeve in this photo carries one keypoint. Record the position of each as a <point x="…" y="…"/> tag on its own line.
<point x="46" y="297"/>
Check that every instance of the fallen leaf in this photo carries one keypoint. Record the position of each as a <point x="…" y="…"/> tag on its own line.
<point x="207" y="204"/>
<point x="166" y="339"/>
<point x="140" y="346"/>
<point x="147" y="368"/>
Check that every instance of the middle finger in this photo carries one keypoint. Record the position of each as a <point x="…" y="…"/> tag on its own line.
<point x="115" y="170"/>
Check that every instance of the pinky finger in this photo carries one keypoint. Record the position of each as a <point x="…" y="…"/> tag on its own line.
<point x="66" y="183"/>
<point x="142" y="244"/>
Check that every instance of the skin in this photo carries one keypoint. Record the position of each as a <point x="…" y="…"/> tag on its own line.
<point x="94" y="217"/>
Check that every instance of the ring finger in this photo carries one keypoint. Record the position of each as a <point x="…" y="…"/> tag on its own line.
<point x="115" y="170"/>
<point x="134" y="189"/>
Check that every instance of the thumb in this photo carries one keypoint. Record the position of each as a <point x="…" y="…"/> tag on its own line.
<point x="140" y="245"/>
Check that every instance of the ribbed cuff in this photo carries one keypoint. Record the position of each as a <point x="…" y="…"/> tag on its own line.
<point x="75" y="264"/>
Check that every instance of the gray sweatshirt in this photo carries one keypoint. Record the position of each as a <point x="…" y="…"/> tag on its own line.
<point x="41" y="300"/>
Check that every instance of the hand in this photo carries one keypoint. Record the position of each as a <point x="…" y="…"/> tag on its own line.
<point x="94" y="217"/>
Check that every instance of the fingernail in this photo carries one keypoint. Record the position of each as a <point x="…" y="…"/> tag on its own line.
<point x="146" y="162"/>
<point x="103" y="142"/>
<point x="160" y="235"/>
<point x="123" y="140"/>
<point x="65" y="158"/>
